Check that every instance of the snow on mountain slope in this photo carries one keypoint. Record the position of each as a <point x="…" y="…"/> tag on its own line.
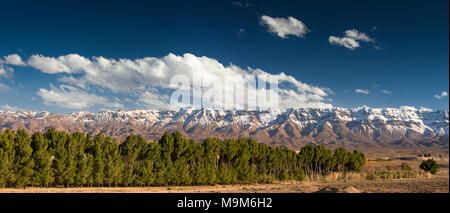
<point x="360" y="127"/>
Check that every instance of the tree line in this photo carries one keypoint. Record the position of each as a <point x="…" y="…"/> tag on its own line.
<point x="56" y="158"/>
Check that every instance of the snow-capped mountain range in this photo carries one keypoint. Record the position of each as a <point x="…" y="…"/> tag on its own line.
<point x="362" y="128"/>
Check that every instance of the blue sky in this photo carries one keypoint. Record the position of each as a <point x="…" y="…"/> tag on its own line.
<point x="404" y="53"/>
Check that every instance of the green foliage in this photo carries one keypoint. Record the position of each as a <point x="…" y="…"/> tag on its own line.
<point x="429" y="166"/>
<point x="57" y="158"/>
<point x="405" y="166"/>
<point x="23" y="161"/>
<point x="42" y="160"/>
<point x="7" y="153"/>
<point x="356" y="161"/>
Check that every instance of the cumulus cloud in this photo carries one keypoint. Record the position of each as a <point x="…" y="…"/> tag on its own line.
<point x="147" y="81"/>
<point x="70" y="97"/>
<point x="351" y="39"/>
<point x="284" y="27"/>
<point x="153" y="99"/>
<point x="362" y="91"/>
<point x="13" y="59"/>
<point x="358" y="36"/>
<point x="345" y="42"/>
<point x="50" y="65"/>
<point x="442" y="95"/>
<point x="387" y="92"/>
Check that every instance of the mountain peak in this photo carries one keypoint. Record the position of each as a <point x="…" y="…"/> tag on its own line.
<point x="373" y="127"/>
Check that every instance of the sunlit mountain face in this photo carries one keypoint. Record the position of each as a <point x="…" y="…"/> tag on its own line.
<point x="364" y="128"/>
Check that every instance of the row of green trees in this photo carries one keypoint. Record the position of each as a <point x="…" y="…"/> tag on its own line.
<point x="57" y="158"/>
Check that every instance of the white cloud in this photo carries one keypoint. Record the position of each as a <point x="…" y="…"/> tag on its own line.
<point x="425" y="109"/>
<point x="407" y="108"/>
<point x="362" y="91"/>
<point x="358" y="36"/>
<point x="6" y="72"/>
<point x="346" y="42"/>
<point x="147" y="80"/>
<point x="113" y="106"/>
<point x="13" y="59"/>
<point x="50" y="65"/>
<point x="284" y="27"/>
<point x="442" y="95"/>
<point x="151" y="99"/>
<point x="387" y="92"/>
<point x="351" y="39"/>
<point x="7" y="107"/>
<point x="70" y="97"/>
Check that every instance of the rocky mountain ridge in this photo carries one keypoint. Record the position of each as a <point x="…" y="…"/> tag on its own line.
<point x="364" y="128"/>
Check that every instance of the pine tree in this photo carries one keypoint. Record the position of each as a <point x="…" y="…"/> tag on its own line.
<point x="129" y="150"/>
<point x="113" y="163"/>
<point x="57" y="158"/>
<point x="7" y="177"/>
<point x="147" y="170"/>
<point x="146" y="176"/>
<point x="42" y="160"/>
<point x="356" y="161"/>
<point x="167" y="146"/>
<point x="58" y="142"/>
<point x="98" y="160"/>
<point x="199" y="173"/>
<point x="224" y="174"/>
<point x="182" y="173"/>
<point x="211" y="157"/>
<point x="83" y="169"/>
<point x="23" y="162"/>
<point x="160" y="172"/>
<point x="51" y="135"/>
<point x="342" y="158"/>
<point x="90" y="169"/>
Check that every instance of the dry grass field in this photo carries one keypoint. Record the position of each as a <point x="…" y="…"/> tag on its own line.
<point x="429" y="185"/>
<point x="355" y="183"/>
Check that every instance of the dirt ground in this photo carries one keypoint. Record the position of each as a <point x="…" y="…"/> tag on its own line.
<point x="435" y="185"/>
<point x="438" y="183"/>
